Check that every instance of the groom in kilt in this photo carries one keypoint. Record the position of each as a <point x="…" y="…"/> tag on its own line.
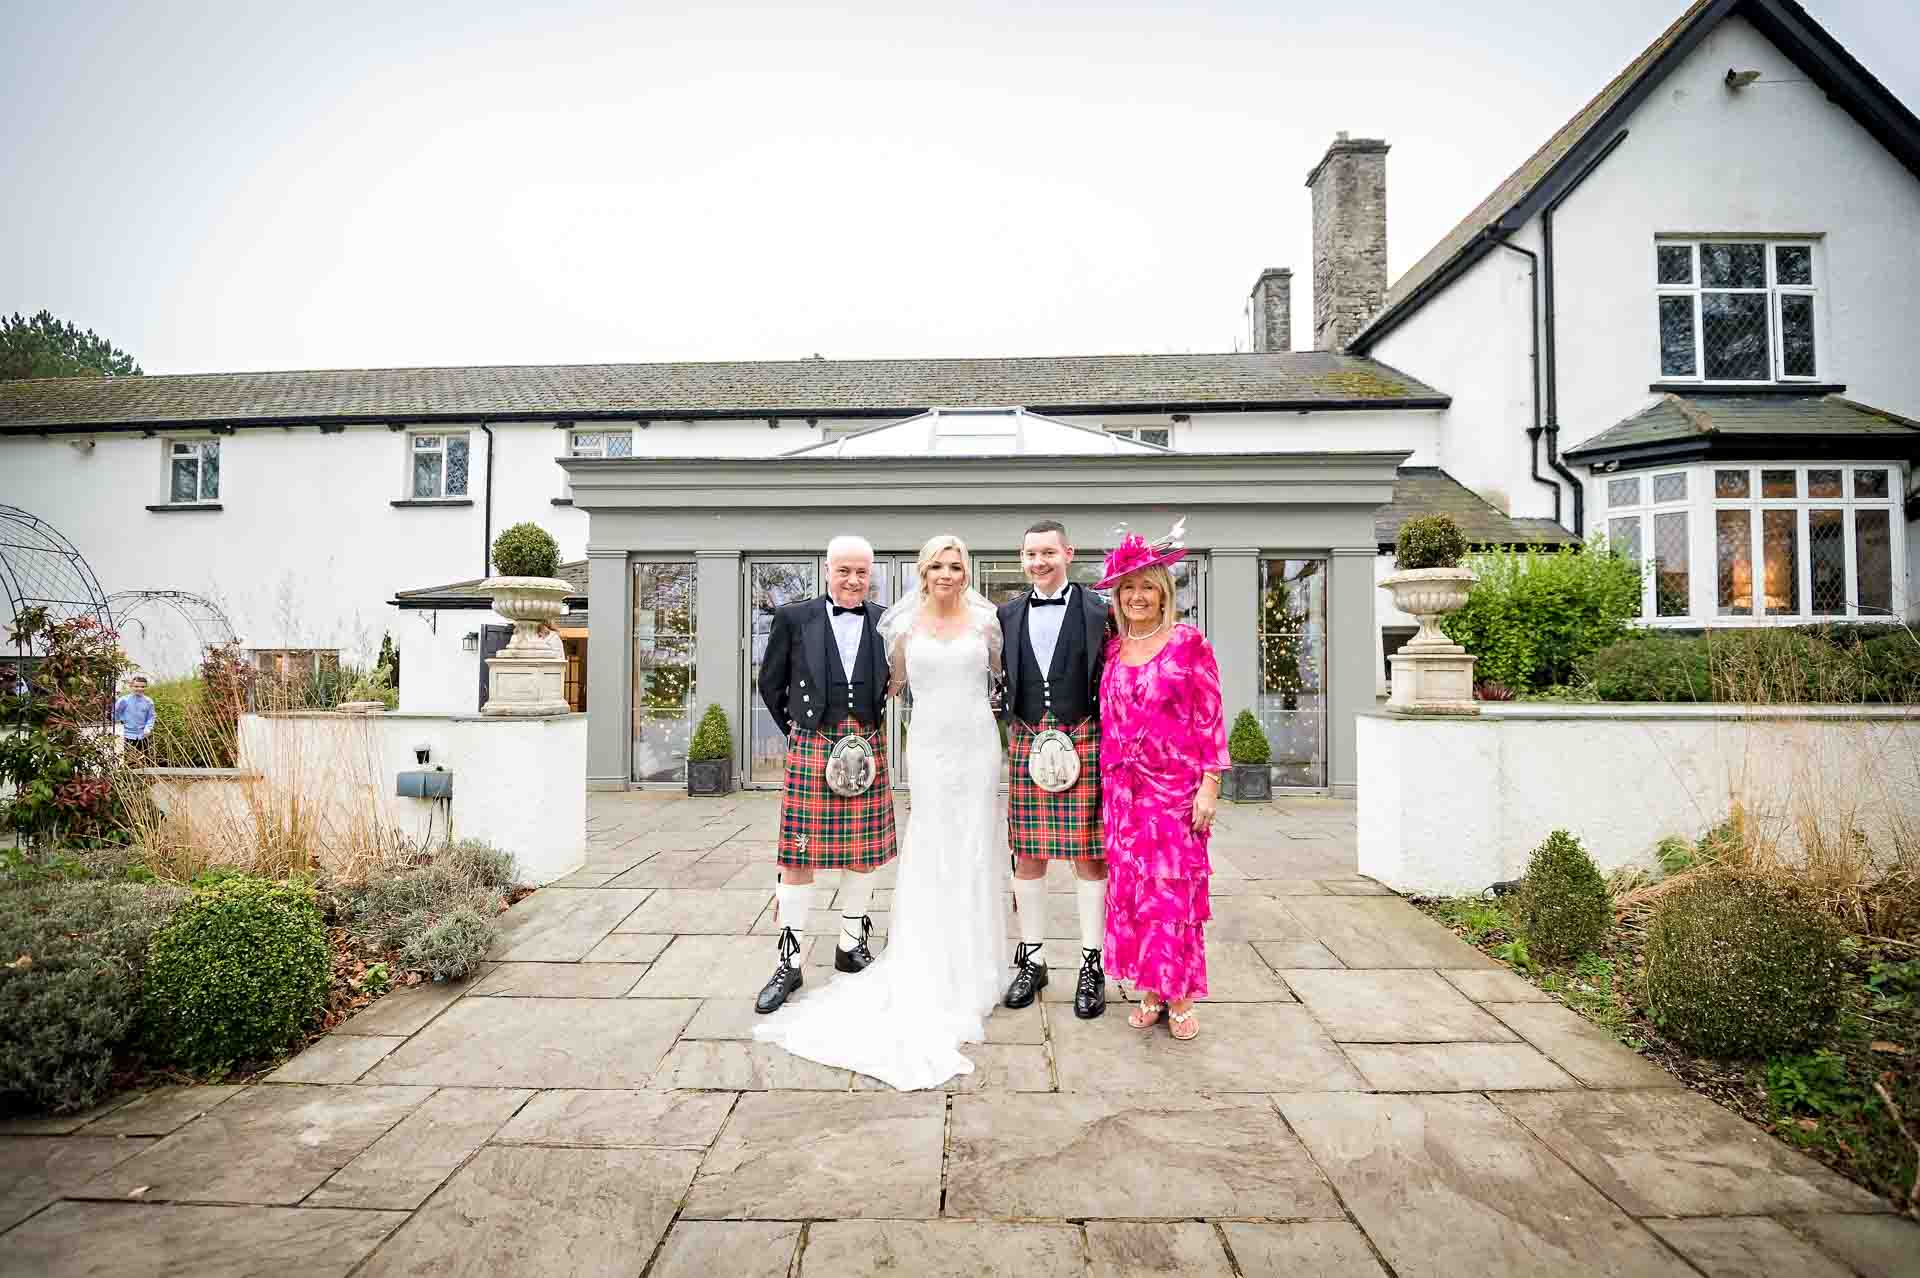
<point x="1055" y="644"/>
<point x="824" y="678"/>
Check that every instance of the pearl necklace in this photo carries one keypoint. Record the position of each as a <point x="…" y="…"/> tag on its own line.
<point x="1150" y="634"/>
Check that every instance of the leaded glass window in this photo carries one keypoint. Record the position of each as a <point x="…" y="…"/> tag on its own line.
<point x="1827" y="560"/>
<point x="1736" y="310"/>
<point x="193" y="470"/>
<point x="601" y="443"/>
<point x="1733" y="551"/>
<point x="1671" y="585"/>
<point x="439" y="466"/>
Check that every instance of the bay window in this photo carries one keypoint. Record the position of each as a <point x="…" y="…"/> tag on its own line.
<point x="1751" y="543"/>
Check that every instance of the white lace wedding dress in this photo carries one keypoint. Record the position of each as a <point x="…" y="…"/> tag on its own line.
<point x="903" y="1019"/>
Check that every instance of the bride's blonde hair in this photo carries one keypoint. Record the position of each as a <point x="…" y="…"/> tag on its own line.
<point x="937" y="544"/>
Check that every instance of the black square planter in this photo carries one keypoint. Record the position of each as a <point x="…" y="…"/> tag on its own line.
<point x="709" y="776"/>
<point x="1250" y="783"/>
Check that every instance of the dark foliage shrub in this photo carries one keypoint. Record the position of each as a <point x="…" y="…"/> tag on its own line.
<point x="526" y="550"/>
<point x="1492" y="690"/>
<point x="239" y="971"/>
<point x="1740" y="965"/>
<point x="1650" y="668"/>
<point x="1892" y="664"/>
<point x="1563" y="905"/>
<point x="1431" y="541"/>
<point x="71" y="958"/>
<point x="1247" y="743"/>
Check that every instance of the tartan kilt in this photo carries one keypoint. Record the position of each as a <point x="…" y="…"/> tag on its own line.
<point x="822" y="830"/>
<point x="1055" y="826"/>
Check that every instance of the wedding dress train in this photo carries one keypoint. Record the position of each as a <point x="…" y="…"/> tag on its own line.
<point x="902" y="1020"/>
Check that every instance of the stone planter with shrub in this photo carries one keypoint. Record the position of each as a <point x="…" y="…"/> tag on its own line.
<point x="710" y="755"/>
<point x="528" y="677"/>
<point x="1431" y="673"/>
<point x="1250" y="780"/>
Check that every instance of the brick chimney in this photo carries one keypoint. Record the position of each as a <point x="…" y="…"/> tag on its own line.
<point x="1349" y="188"/>
<point x="1270" y="311"/>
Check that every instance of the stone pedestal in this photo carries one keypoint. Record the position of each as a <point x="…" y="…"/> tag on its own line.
<point x="1431" y="674"/>
<point x="526" y="686"/>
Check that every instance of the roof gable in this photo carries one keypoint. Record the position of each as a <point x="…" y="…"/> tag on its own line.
<point x="1595" y="128"/>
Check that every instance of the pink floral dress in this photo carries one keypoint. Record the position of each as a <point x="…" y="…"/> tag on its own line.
<point x="1161" y="728"/>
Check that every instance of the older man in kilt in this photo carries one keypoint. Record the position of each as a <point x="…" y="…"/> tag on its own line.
<point x="1055" y="640"/>
<point x="824" y="678"/>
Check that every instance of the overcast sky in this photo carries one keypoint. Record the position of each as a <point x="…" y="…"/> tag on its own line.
<point x="224" y="186"/>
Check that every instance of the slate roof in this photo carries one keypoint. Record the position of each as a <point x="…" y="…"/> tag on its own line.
<point x="1429" y="490"/>
<point x="1566" y="154"/>
<point x="1707" y="420"/>
<point x="792" y="388"/>
<point x="468" y="593"/>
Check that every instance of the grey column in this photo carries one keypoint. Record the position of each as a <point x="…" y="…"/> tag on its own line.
<point x="1233" y="622"/>
<point x="1350" y="647"/>
<point x="719" y="633"/>
<point x="609" y="669"/>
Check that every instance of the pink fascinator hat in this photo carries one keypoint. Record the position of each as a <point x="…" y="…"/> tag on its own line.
<point x="1135" y="552"/>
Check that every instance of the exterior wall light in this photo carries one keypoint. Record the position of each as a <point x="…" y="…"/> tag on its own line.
<point x="470" y="642"/>
<point x="1740" y="79"/>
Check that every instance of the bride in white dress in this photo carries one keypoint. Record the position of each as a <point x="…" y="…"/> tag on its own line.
<point x="902" y="1020"/>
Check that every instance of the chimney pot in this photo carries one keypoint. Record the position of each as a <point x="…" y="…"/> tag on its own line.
<point x="1349" y="187"/>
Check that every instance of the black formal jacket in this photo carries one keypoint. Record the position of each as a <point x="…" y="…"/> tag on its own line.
<point x="800" y="671"/>
<point x="1084" y="609"/>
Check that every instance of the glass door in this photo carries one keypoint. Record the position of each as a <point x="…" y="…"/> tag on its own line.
<point x="1001" y="579"/>
<point x="771" y="583"/>
<point x="663" y="670"/>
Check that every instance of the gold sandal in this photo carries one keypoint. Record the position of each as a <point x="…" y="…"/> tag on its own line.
<point x="1147" y="1015"/>
<point x="1182" y="1025"/>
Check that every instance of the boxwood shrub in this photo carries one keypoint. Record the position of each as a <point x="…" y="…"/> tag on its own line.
<point x="1430" y="541"/>
<point x="1563" y="904"/>
<point x="1650" y="668"/>
<point x="71" y="957"/>
<point x="238" y="972"/>
<point x="1740" y="965"/>
<point x="1247" y="743"/>
<point x="526" y="550"/>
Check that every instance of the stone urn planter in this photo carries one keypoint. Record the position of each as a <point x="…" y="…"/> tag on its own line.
<point x="528" y="677"/>
<point x="1431" y="674"/>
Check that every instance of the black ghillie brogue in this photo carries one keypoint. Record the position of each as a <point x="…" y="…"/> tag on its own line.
<point x="1029" y="980"/>
<point x="1090" y="995"/>
<point x="857" y="958"/>
<point x="786" y="977"/>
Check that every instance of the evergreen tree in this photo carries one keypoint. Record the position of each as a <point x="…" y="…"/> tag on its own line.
<point x="46" y="347"/>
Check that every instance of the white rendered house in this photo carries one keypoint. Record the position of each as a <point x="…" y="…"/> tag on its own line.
<point x="1687" y="322"/>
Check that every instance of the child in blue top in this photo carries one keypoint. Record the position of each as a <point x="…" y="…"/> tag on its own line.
<point x="135" y="714"/>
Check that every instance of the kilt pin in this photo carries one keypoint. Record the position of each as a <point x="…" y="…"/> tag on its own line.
<point x="1061" y="825"/>
<point x="822" y="830"/>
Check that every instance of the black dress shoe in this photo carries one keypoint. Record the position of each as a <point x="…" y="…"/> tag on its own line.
<point x="785" y="979"/>
<point x="857" y="958"/>
<point x="1028" y="981"/>
<point x="1090" y="997"/>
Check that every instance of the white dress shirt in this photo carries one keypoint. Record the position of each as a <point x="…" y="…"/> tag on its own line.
<point x="848" y="627"/>
<point x="1043" y="628"/>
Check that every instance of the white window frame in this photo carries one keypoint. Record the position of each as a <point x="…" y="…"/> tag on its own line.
<point x="1647" y="510"/>
<point x="1773" y="291"/>
<point x="1134" y="433"/>
<point x="1702" y="508"/>
<point x="412" y="446"/>
<point x="198" y="444"/>
<point x="600" y="437"/>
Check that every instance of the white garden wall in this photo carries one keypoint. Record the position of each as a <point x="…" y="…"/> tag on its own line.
<point x="517" y="783"/>
<point x="1449" y="805"/>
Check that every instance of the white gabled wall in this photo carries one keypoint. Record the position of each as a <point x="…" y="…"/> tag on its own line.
<point x="1776" y="158"/>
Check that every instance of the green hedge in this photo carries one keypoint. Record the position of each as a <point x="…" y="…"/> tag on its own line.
<point x="237" y="974"/>
<point x="1650" y="668"/>
<point x="1767" y="666"/>
<point x="1534" y="615"/>
<point x="70" y="980"/>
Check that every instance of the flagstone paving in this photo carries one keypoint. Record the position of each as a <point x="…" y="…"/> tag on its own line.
<point x="1368" y="1096"/>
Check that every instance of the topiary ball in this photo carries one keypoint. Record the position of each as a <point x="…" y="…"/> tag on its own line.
<point x="1564" y="909"/>
<point x="238" y="972"/>
<point x="1741" y="965"/>
<point x="713" y="739"/>
<point x="526" y="550"/>
<point x="1431" y="541"/>
<point x="1247" y="743"/>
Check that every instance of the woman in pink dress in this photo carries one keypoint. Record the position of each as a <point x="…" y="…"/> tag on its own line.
<point x="1163" y="750"/>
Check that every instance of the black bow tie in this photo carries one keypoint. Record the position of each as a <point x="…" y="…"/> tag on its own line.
<point x="1035" y="601"/>
<point x="858" y="610"/>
